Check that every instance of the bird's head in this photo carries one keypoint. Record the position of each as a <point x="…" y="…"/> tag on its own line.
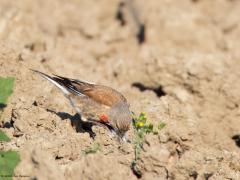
<point x="120" y="119"/>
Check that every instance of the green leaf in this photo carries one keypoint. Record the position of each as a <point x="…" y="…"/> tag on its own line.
<point x="142" y="117"/>
<point x="8" y="161"/>
<point x="141" y="128"/>
<point x="4" y="137"/>
<point x="161" y="125"/>
<point x="6" y="89"/>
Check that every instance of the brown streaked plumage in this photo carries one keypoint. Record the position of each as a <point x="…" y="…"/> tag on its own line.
<point x="95" y="103"/>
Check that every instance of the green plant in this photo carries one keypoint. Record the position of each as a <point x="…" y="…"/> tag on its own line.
<point x="92" y="149"/>
<point x="6" y="86"/>
<point x="141" y="128"/>
<point x="6" y="89"/>
<point x="8" y="161"/>
<point x="3" y="136"/>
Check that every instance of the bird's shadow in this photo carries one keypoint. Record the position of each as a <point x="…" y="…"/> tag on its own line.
<point x="76" y="121"/>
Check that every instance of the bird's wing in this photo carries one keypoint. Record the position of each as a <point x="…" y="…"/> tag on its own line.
<point x="100" y="94"/>
<point x="54" y="81"/>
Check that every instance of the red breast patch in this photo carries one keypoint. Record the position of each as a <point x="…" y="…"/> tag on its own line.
<point x="103" y="118"/>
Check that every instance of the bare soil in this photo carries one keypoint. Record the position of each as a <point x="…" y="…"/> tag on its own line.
<point x="186" y="74"/>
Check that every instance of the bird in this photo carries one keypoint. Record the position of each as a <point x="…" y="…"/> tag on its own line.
<point x="94" y="103"/>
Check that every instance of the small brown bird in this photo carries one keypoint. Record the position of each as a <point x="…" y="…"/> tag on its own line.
<point x="95" y="103"/>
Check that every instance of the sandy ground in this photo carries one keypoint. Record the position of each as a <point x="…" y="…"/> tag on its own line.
<point x="189" y="68"/>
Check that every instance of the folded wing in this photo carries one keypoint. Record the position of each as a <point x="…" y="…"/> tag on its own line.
<point x="100" y="94"/>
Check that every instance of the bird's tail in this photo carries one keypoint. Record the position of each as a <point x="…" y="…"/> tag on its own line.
<point x="53" y="80"/>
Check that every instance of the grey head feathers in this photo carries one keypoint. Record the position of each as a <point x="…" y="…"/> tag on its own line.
<point x="120" y="116"/>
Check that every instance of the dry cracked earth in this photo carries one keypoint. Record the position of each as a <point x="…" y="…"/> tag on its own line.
<point x="186" y="74"/>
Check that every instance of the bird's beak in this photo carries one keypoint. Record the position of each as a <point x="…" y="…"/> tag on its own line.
<point x="123" y="138"/>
